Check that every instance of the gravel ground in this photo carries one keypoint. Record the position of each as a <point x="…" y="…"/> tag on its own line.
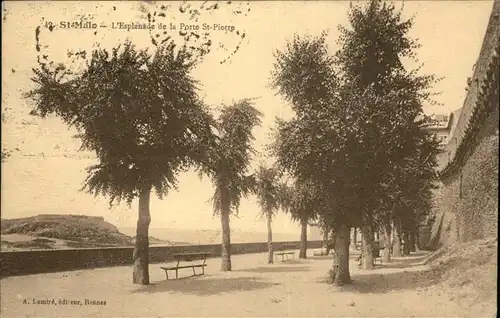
<point x="294" y="288"/>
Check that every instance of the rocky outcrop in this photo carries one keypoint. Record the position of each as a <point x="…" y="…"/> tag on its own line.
<point x="67" y="227"/>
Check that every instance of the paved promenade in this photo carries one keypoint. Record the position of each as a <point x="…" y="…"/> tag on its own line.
<point x="295" y="288"/>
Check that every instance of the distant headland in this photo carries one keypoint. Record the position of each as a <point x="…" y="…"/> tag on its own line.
<point x="55" y="231"/>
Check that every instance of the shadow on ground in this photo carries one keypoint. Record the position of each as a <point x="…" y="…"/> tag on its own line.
<point x="277" y="269"/>
<point x="205" y="286"/>
<point x="389" y="282"/>
<point x="292" y="261"/>
<point x="321" y="257"/>
<point x="376" y="282"/>
<point x="352" y="255"/>
<point x="415" y="259"/>
<point x="406" y="280"/>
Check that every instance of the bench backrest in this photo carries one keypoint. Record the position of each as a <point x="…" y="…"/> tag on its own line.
<point x="191" y="257"/>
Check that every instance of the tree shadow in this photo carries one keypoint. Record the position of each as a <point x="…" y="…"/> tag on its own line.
<point x="277" y="269"/>
<point x="292" y="261"/>
<point x="379" y="266"/>
<point x="375" y="282"/>
<point x="317" y="256"/>
<point x="330" y="256"/>
<point x="420" y="253"/>
<point x="415" y="259"/>
<point x="204" y="286"/>
<point x="385" y="283"/>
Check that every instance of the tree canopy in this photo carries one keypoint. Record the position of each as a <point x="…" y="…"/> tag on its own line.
<point x="269" y="189"/>
<point x="358" y="138"/>
<point x="302" y="201"/>
<point x="228" y="164"/>
<point x="231" y="153"/>
<point x="139" y="111"/>
<point x="358" y="111"/>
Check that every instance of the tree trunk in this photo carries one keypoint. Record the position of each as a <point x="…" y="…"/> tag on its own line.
<point x="355" y="240"/>
<point x="412" y="241"/>
<point x="333" y="239"/>
<point x="303" y="240"/>
<point x="141" y="249"/>
<point x="269" y="237"/>
<point x="396" y="247"/>
<point x="341" y="259"/>
<point x="351" y="236"/>
<point x="406" y="245"/>
<point x="417" y="239"/>
<point x="386" y="256"/>
<point x="367" y="251"/>
<point x="226" y="238"/>
<point x="326" y="244"/>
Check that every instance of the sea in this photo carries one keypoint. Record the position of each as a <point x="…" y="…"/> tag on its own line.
<point x="214" y="236"/>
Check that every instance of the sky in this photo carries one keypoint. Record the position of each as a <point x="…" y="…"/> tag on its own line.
<point x="46" y="171"/>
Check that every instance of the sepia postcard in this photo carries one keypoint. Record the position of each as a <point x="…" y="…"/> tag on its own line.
<point x="249" y="158"/>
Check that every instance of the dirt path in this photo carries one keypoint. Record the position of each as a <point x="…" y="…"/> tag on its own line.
<point x="296" y="288"/>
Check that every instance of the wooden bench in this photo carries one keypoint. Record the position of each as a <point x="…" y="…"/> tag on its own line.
<point x="286" y="249"/>
<point x="187" y="257"/>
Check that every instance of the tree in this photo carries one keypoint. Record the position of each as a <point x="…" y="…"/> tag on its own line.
<point x="228" y="165"/>
<point x="301" y="201"/>
<point x="356" y="120"/>
<point x="142" y="116"/>
<point x="327" y="233"/>
<point x="269" y="191"/>
<point x="311" y="145"/>
<point x="416" y="181"/>
<point x="372" y="55"/>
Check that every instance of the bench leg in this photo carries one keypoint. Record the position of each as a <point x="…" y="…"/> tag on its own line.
<point x="166" y="273"/>
<point x="176" y="273"/>
<point x="203" y="270"/>
<point x="194" y="273"/>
